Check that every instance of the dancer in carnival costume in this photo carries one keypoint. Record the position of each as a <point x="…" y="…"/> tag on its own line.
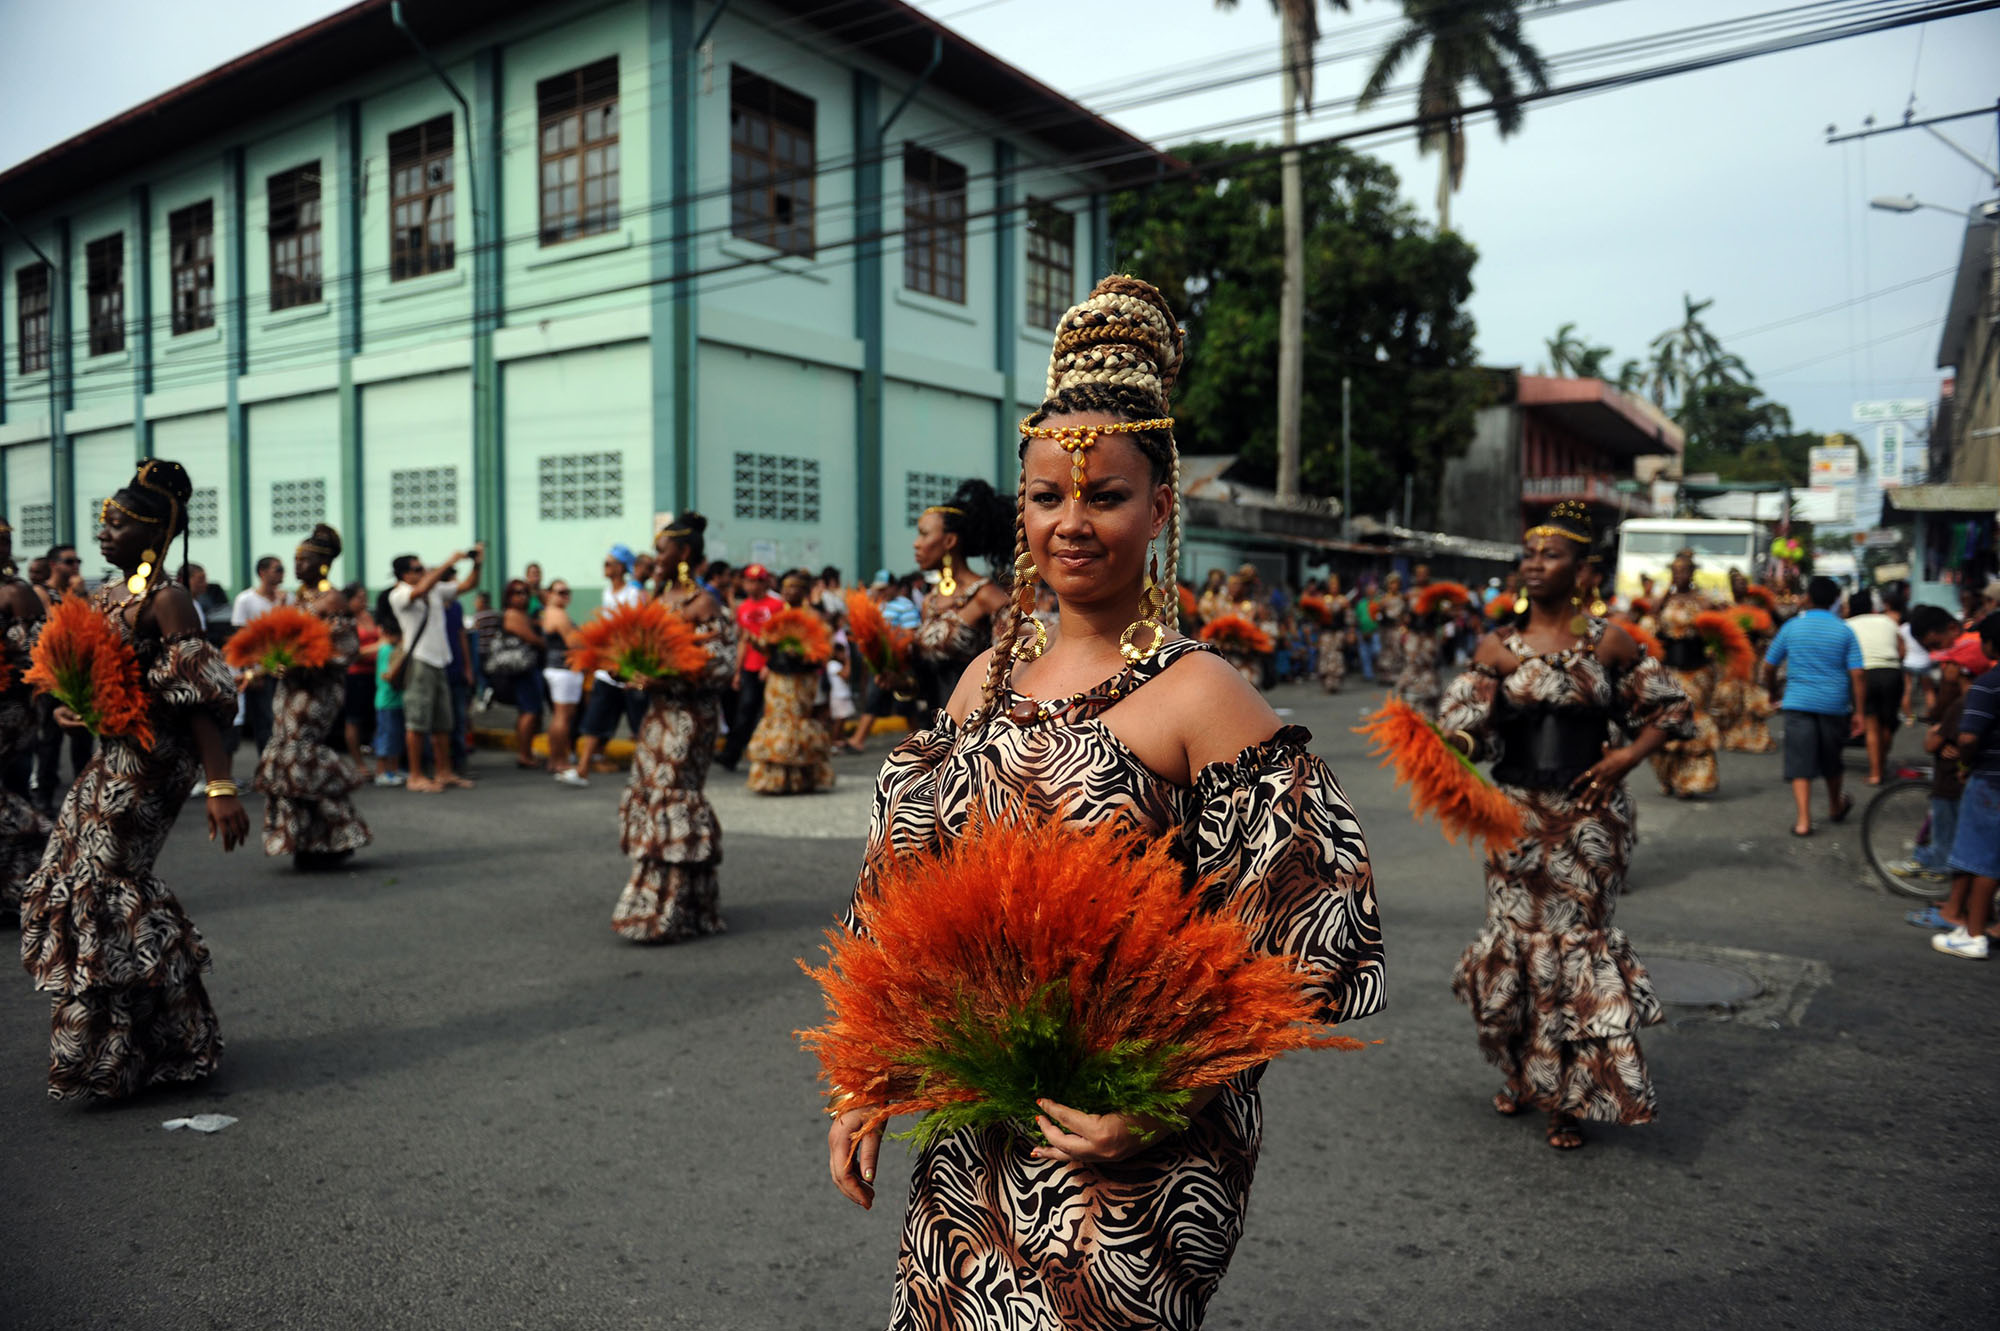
<point x="1555" y="990"/>
<point x="24" y="829"/>
<point x="959" y="613"/>
<point x="665" y="821"/>
<point x="99" y="932"/>
<point x="1331" y="650"/>
<point x="1686" y="766"/>
<point x="1390" y="608"/>
<point x="1002" y="1231"/>
<point x="1743" y="707"/>
<point x="307" y="783"/>
<point x="1430" y="606"/>
<point x="790" y="752"/>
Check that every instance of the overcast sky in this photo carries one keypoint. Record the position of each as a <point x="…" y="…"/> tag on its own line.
<point x="1602" y="211"/>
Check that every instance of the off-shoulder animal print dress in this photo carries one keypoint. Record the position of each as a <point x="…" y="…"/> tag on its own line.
<point x="99" y="931"/>
<point x="1686" y="765"/>
<point x="665" y="822"/>
<point x="996" y="1239"/>
<point x="1556" y="993"/>
<point x="307" y="783"/>
<point x="24" y="832"/>
<point x="946" y="644"/>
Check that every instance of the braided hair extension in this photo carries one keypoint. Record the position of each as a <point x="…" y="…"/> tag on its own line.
<point x="1118" y="353"/>
<point x="977" y="515"/>
<point x="158" y="495"/>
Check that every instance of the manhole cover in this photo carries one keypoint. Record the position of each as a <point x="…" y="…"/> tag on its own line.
<point x="1701" y="983"/>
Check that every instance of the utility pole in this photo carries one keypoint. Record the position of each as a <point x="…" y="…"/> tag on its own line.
<point x="1292" y="295"/>
<point x="1346" y="459"/>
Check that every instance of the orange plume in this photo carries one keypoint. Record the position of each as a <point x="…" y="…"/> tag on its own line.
<point x="1443" y="782"/>
<point x="1234" y="633"/>
<point x="1089" y="928"/>
<point x="884" y="648"/>
<point x="1432" y="595"/>
<point x="1754" y="619"/>
<point x="1648" y="644"/>
<point x="1762" y="595"/>
<point x="1318" y="607"/>
<point x="633" y="641"/>
<point x="83" y="661"/>
<point x="1727" y="641"/>
<point x="798" y="633"/>
<point x="283" y="638"/>
<point x="1188" y="610"/>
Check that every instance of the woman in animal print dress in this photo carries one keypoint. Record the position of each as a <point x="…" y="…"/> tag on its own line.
<point x="959" y="613"/>
<point x="307" y="782"/>
<point x="665" y="821"/>
<point x="1686" y="766"/>
<point x="1331" y="650"/>
<point x="24" y="831"/>
<point x="1098" y="1225"/>
<point x="100" y="932"/>
<point x="1555" y="991"/>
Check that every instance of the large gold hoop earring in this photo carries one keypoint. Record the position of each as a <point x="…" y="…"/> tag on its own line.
<point x="1031" y="650"/>
<point x="1131" y="651"/>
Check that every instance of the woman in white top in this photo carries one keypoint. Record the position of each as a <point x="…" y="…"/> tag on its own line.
<point x="1881" y="677"/>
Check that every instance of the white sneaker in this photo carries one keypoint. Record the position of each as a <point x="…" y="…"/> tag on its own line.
<point x="568" y="777"/>
<point x="389" y="778"/>
<point x="1959" y="943"/>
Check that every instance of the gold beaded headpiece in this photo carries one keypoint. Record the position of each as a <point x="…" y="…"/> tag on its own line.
<point x="945" y="508"/>
<point x="1569" y="519"/>
<point x="1076" y="441"/>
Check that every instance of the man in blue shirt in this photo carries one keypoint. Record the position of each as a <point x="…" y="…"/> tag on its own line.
<point x="1975" y="847"/>
<point x="1822" y="702"/>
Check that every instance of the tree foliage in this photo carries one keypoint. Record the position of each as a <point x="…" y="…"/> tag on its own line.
<point x="1385" y="303"/>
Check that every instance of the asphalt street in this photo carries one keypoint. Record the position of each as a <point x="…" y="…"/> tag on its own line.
<point x="464" y="1102"/>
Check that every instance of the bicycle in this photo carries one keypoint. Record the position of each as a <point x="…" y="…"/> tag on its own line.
<point x="1895" y="826"/>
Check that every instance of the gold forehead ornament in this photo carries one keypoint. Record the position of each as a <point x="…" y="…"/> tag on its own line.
<point x="1076" y="440"/>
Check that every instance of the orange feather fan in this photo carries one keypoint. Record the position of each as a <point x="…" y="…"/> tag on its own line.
<point x="1499" y="608"/>
<point x="639" y="641"/>
<point x="1648" y="644"/>
<point x="1727" y="642"/>
<point x="798" y="634"/>
<point x="1443" y="782"/>
<point x="1433" y="595"/>
<point x="884" y="648"/>
<point x="1189" y="611"/>
<point x="1318" y="607"/>
<point x="1234" y="633"/>
<point x="1640" y="607"/>
<point x="282" y="638"/>
<point x="1762" y="595"/>
<point x="1754" y="619"/>
<point x="1041" y="958"/>
<point x="83" y="662"/>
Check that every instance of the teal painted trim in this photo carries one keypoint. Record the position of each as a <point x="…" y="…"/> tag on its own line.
<point x="62" y="367"/>
<point x="347" y="282"/>
<point x="140" y="283"/>
<point x="235" y="361"/>
<point x="489" y="443"/>
<point x="670" y="350"/>
<point x="1007" y="230"/>
<point x="868" y="323"/>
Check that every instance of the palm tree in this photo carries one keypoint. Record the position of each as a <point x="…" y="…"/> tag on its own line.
<point x="1298" y="36"/>
<point x="1689" y="355"/>
<point x="1564" y="349"/>
<point x="1476" y="40"/>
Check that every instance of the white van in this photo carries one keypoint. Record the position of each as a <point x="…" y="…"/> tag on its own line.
<point x="1647" y="545"/>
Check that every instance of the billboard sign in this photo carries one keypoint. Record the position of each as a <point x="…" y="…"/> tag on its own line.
<point x="1892" y="409"/>
<point x="1889" y="454"/>
<point x="1834" y="464"/>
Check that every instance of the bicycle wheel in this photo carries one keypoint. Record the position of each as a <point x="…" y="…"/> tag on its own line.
<point x="1894" y="827"/>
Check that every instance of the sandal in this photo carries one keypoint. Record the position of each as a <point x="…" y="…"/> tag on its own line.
<point x="1564" y="1134"/>
<point x="1928" y="918"/>
<point x="1508" y="1105"/>
<point x="1846" y="807"/>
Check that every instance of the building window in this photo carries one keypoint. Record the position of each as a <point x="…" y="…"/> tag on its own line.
<point x="926" y="489"/>
<point x="31" y="289"/>
<point x="579" y="486"/>
<point x="423" y="497"/>
<point x="422" y="238"/>
<point x="295" y="238"/>
<point x="104" y="284"/>
<point x="579" y="120"/>
<point x="38" y="526"/>
<point x="297" y="505"/>
<point x="774" y="487"/>
<point x="1051" y="263"/>
<point x="770" y="163"/>
<point x="191" y="252"/>
<point x="205" y="513"/>
<point x="933" y="224"/>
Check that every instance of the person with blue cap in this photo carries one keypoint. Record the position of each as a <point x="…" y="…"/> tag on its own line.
<point x="608" y="698"/>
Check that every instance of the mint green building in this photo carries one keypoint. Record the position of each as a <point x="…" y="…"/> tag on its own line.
<point x="791" y="263"/>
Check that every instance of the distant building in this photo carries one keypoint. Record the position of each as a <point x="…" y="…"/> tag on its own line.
<point x="1545" y="439"/>
<point x="796" y="267"/>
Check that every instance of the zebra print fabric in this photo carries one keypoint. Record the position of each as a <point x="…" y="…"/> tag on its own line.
<point x="307" y="782"/>
<point x="995" y="1239"/>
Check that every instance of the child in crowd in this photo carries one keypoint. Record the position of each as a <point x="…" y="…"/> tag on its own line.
<point x="1975" y="848"/>
<point x="388" y="708"/>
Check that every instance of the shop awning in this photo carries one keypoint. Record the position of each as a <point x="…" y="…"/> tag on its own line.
<point x="1973" y="498"/>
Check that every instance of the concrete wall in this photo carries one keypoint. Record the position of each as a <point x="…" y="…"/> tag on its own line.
<point x="1482" y="487"/>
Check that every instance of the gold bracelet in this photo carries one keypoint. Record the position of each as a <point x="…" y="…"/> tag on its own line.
<point x="1471" y="744"/>
<point x="219" y="789"/>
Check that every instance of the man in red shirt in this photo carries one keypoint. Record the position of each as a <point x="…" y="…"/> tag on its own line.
<point x="759" y="604"/>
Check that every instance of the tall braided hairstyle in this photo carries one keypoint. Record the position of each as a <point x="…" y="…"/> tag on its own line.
<point x="1118" y="352"/>
<point x="158" y="496"/>
<point x="978" y="517"/>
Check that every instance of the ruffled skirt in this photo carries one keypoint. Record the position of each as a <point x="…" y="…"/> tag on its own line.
<point x="1332" y="661"/>
<point x="668" y="827"/>
<point x="790" y="753"/>
<point x="306" y="782"/>
<point x="1687" y="766"/>
<point x="1742" y="711"/>
<point x="1556" y="993"/>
